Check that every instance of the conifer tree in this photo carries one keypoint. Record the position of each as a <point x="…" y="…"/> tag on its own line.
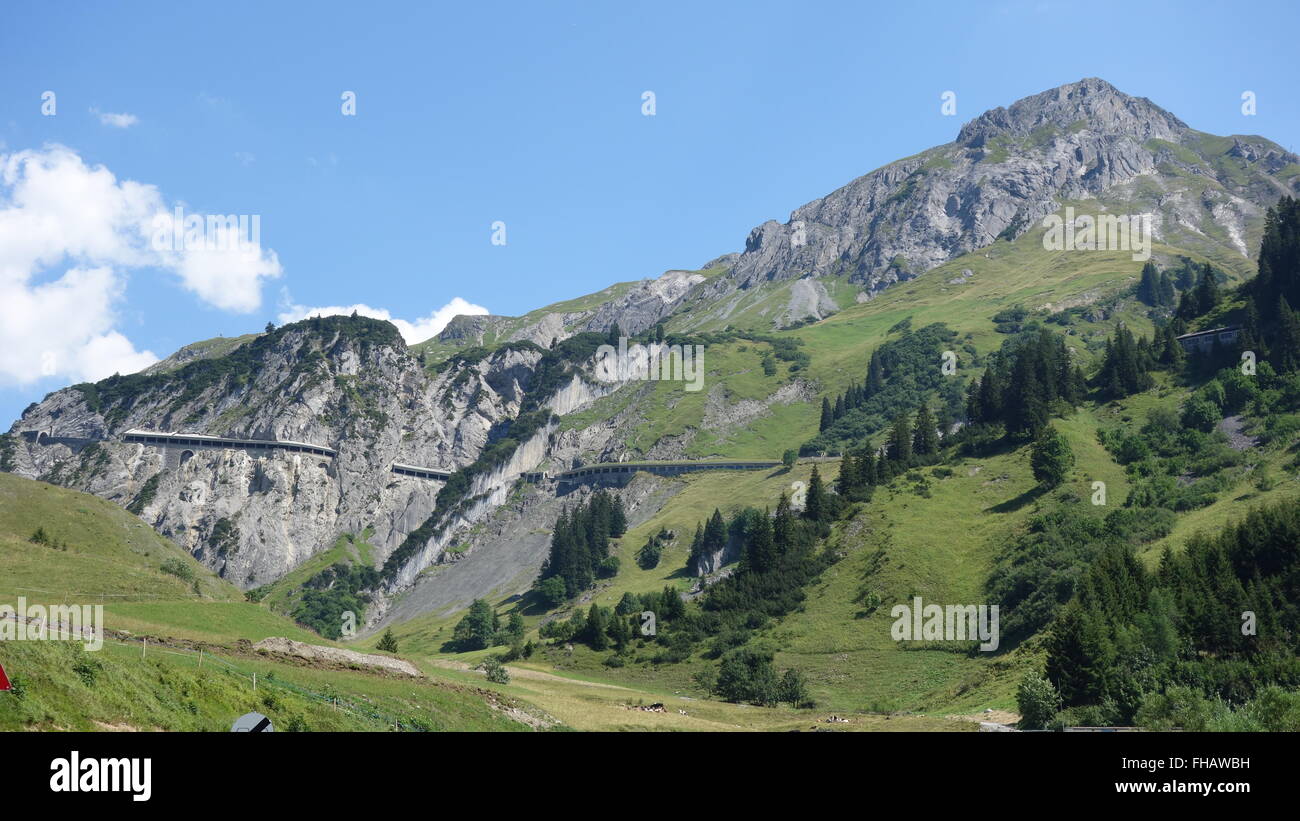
<point x="783" y="525"/>
<point x="1286" y="347"/>
<point x="926" y="440"/>
<point x="815" y="501"/>
<point x="1207" y="291"/>
<point x="875" y="374"/>
<point x="850" y="474"/>
<point x="760" y="550"/>
<point x="1149" y="285"/>
<point x="1051" y="457"/>
<point x="900" y="441"/>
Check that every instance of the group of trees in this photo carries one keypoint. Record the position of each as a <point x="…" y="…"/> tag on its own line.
<point x="1126" y="365"/>
<point x="777" y="558"/>
<point x="1187" y="290"/>
<point x="1219" y="618"/>
<point x="647" y="558"/>
<point x="1272" y="325"/>
<point x="1202" y="298"/>
<point x="901" y="374"/>
<point x="481" y="628"/>
<point x="746" y="674"/>
<point x="580" y="547"/>
<point x="760" y="538"/>
<point x="1156" y="287"/>
<point x="912" y="441"/>
<point x="1025" y="378"/>
<point x="1039" y="570"/>
<point x="340" y="588"/>
<point x="602" y="628"/>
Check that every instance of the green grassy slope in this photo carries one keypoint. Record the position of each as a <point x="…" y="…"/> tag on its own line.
<point x="110" y="554"/>
<point x="938" y="537"/>
<point x="114" y="559"/>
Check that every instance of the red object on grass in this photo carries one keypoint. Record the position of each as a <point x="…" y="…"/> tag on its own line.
<point x="4" y="680"/>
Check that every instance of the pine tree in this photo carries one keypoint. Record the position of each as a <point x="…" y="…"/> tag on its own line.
<point x="760" y="549"/>
<point x="697" y="547"/>
<point x="714" y="539"/>
<point x="387" y="642"/>
<point x="1167" y="295"/>
<point x="828" y="417"/>
<point x="1207" y="291"/>
<point x="1027" y="410"/>
<point x="900" y="441"/>
<point x="974" y="410"/>
<point x="1251" y="339"/>
<point x="783" y="525"/>
<point x="1286" y="347"/>
<point x="1169" y="351"/>
<point x="1051" y="457"/>
<point x="815" y="500"/>
<point x="617" y="517"/>
<point x="875" y="375"/>
<point x="867" y="467"/>
<point x="884" y="470"/>
<point x="992" y="396"/>
<point x="850" y="476"/>
<point x="926" y="440"/>
<point x="1149" y="285"/>
<point x="597" y="624"/>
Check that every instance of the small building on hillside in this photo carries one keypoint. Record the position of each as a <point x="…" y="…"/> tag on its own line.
<point x="1203" y="341"/>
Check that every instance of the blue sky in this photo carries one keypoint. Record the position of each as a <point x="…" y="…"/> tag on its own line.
<point x="525" y="113"/>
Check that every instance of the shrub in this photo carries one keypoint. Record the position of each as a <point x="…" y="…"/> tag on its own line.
<point x="1037" y="701"/>
<point x="496" y="671"/>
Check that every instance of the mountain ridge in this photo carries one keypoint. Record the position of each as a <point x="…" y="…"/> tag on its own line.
<point x="354" y="385"/>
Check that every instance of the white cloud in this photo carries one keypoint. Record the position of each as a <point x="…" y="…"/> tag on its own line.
<point x="69" y="235"/>
<point x="221" y="262"/>
<point x="116" y="120"/>
<point x="412" y="332"/>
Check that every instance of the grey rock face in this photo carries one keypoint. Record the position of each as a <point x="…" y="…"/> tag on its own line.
<point x="1007" y="169"/>
<point x="649" y="302"/>
<point x="254" y="515"/>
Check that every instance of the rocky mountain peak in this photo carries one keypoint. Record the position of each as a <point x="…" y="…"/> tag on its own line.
<point x="1092" y="104"/>
<point x="1007" y="169"/>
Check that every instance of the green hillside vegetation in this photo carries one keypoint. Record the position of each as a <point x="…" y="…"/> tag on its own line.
<point x="978" y="519"/>
<point x="58" y="541"/>
<point x="59" y="546"/>
<point x="61" y="686"/>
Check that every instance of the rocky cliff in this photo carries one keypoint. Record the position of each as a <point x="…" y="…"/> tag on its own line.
<point x="348" y="384"/>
